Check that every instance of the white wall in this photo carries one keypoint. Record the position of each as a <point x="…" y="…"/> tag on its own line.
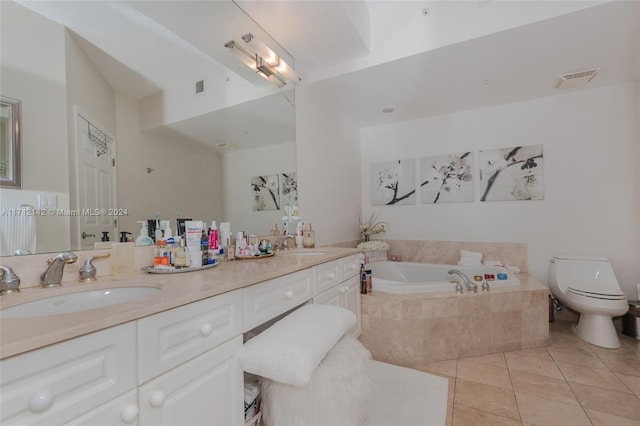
<point x="591" y="205"/>
<point x="186" y="176"/>
<point x="238" y="167"/>
<point x="328" y="153"/>
<point x="33" y="71"/>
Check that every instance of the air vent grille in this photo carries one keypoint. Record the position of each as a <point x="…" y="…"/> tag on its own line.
<point x="576" y="79"/>
<point x="199" y="87"/>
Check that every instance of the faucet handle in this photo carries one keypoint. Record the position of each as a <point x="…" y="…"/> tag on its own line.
<point x="9" y="281"/>
<point x="88" y="271"/>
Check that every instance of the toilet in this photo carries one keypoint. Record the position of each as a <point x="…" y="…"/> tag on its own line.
<point x="588" y="285"/>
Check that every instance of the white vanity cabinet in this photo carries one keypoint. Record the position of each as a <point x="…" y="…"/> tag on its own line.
<point x="338" y="283"/>
<point x="208" y="390"/>
<point x="61" y="382"/>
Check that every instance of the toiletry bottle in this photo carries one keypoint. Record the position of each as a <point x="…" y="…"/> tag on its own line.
<point x="363" y="279"/>
<point x="144" y="239"/>
<point x="105" y="236"/>
<point x="181" y="255"/>
<point x="231" y="248"/>
<point x="160" y="255"/>
<point x="158" y="231"/>
<point x="309" y="239"/>
<point x="204" y="247"/>
<point x="123" y="236"/>
<point x="213" y="236"/>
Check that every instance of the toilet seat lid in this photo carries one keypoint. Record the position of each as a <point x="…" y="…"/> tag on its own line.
<point x="600" y="295"/>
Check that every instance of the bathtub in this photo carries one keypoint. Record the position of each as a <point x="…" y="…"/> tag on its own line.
<point x="408" y="278"/>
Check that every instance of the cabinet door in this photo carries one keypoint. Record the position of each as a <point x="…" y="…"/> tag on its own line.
<point x="122" y="411"/>
<point x="208" y="390"/>
<point x="350" y="266"/>
<point x="351" y="301"/>
<point x="60" y="382"/>
<point x="325" y="276"/>
<point x="330" y="297"/>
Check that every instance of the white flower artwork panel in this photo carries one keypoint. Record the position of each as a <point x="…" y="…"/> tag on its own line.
<point x="266" y="195"/>
<point x="515" y="173"/>
<point x="447" y="178"/>
<point x="393" y="182"/>
<point x="288" y="188"/>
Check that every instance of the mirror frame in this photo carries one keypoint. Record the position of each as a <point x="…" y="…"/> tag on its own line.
<point x="14" y="177"/>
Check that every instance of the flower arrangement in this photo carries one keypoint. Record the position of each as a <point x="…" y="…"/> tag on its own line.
<point x="371" y="226"/>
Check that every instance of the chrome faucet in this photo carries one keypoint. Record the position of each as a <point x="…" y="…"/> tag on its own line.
<point x="88" y="271"/>
<point x="282" y="243"/>
<point x="52" y="277"/>
<point x="471" y="286"/>
<point x="9" y="281"/>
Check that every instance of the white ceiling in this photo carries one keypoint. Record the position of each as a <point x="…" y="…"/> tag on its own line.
<point x="185" y="39"/>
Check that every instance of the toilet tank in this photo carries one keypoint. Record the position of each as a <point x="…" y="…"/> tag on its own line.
<point x="585" y="273"/>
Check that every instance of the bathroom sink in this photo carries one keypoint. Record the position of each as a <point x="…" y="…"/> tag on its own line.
<point x="77" y="302"/>
<point x="304" y="253"/>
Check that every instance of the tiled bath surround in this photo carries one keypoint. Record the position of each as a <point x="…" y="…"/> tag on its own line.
<point x="413" y="329"/>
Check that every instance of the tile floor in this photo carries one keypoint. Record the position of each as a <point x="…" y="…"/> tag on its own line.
<point x="566" y="383"/>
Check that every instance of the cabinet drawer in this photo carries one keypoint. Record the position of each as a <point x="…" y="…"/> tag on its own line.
<point x="325" y="276"/>
<point x="208" y="390"/>
<point x="58" y="383"/>
<point x="122" y="411"/>
<point x="274" y="297"/>
<point x="350" y="266"/>
<point x="173" y="337"/>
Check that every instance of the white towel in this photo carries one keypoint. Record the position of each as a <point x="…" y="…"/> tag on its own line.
<point x="469" y="261"/>
<point x="493" y="263"/>
<point x="17" y="230"/>
<point x="466" y="253"/>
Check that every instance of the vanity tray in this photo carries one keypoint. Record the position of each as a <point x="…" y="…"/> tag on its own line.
<point x="259" y="256"/>
<point x="150" y="269"/>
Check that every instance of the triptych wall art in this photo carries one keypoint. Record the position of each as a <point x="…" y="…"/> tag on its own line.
<point x="271" y="192"/>
<point x="515" y="173"/>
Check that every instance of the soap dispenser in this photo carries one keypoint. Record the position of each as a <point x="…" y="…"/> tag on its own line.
<point x="105" y="236"/>
<point x="144" y="239"/>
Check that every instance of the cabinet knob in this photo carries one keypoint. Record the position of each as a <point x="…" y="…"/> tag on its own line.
<point x="156" y="399"/>
<point x="129" y="413"/>
<point x="344" y="289"/>
<point x="205" y="329"/>
<point x="288" y="294"/>
<point x="41" y="401"/>
<point x="332" y="275"/>
<point x="353" y="266"/>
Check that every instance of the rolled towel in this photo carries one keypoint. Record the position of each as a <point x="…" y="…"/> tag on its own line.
<point x="466" y="253"/>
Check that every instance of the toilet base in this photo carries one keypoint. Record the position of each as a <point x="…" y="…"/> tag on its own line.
<point x="597" y="330"/>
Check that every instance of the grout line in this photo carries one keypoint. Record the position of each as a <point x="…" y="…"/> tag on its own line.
<point x="513" y="390"/>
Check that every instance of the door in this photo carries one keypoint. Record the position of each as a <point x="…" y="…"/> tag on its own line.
<point x="96" y="190"/>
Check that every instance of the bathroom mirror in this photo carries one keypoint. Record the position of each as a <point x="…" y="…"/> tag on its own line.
<point x="10" y="170"/>
<point x="66" y="72"/>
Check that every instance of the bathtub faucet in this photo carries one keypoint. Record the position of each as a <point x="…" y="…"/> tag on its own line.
<point x="471" y="286"/>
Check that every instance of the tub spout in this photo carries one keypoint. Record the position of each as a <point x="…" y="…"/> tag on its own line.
<point x="471" y="286"/>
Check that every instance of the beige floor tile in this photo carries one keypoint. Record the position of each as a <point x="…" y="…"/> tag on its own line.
<point x="604" y="419"/>
<point x="607" y="401"/>
<point x="493" y="359"/>
<point x="543" y="387"/>
<point x="466" y="416"/>
<point x="540" y="411"/>
<point x="622" y="364"/>
<point x="592" y="376"/>
<point x="632" y="382"/>
<point x="518" y="361"/>
<point x="540" y="353"/>
<point x="487" y="398"/>
<point x="630" y="349"/>
<point x="576" y="357"/>
<point x="488" y="374"/>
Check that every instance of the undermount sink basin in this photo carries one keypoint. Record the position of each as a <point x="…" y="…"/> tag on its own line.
<point x="304" y="253"/>
<point x="77" y="302"/>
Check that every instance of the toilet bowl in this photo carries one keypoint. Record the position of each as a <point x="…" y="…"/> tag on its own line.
<point x="589" y="286"/>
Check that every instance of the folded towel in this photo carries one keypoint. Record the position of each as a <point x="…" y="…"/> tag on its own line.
<point x="493" y="263"/>
<point x="513" y="269"/>
<point x="290" y="350"/>
<point x="469" y="261"/>
<point x="466" y="253"/>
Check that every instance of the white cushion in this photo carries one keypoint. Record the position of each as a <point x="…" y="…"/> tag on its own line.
<point x="290" y="350"/>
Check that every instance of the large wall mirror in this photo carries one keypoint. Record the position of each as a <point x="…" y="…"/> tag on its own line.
<point x="134" y="107"/>
<point x="10" y="171"/>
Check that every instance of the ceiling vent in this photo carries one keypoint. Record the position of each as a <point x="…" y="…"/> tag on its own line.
<point x="576" y="79"/>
